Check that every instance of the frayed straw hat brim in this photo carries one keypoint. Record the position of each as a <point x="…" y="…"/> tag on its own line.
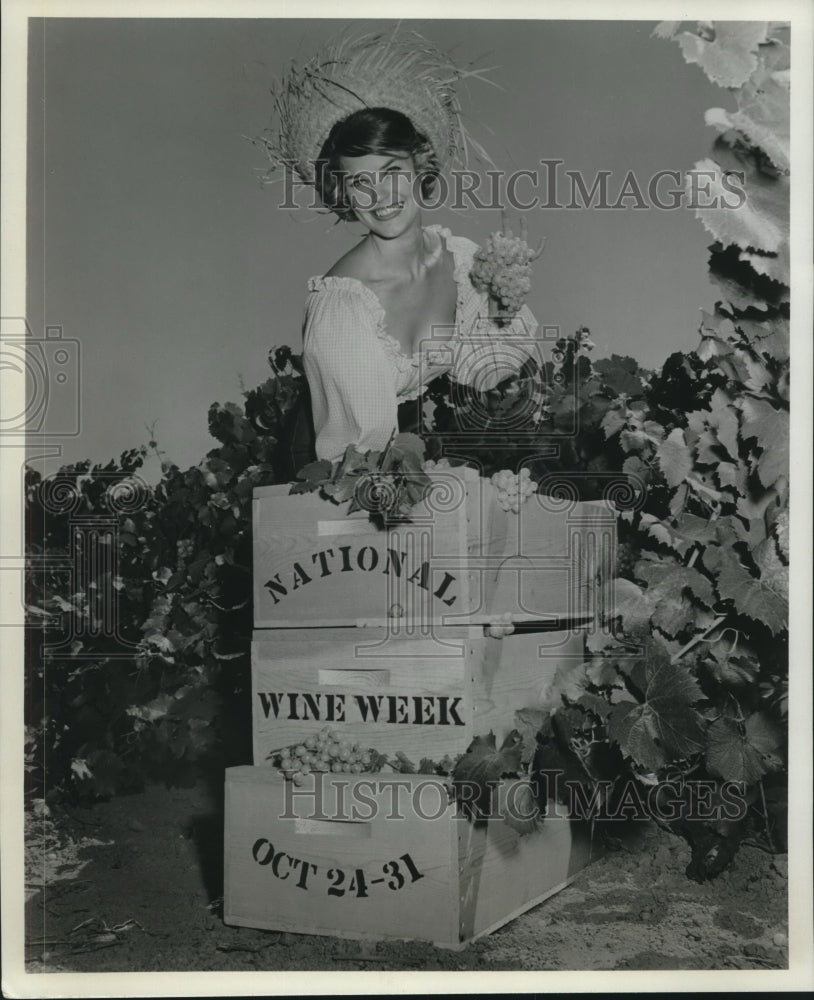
<point x="401" y="71"/>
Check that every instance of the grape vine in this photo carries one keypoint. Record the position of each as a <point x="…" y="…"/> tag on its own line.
<point x="689" y="683"/>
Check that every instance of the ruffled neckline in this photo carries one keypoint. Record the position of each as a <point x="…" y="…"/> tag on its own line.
<point x="462" y="250"/>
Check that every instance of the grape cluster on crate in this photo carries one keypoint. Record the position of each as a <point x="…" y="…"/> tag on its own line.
<point x="330" y="752"/>
<point x="324" y="752"/>
<point x="513" y="489"/>
<point x="502" y="269"/>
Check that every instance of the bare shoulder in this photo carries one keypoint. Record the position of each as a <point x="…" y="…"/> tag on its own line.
<point x="353" y="264"/>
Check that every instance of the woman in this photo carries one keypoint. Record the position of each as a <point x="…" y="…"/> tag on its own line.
<point x="398" y="309"/>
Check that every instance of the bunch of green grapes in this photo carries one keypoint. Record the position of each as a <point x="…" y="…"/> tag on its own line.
<point x="502" y="269"/>
<point x="324" y="752"/>
<point x="513" y="490"/>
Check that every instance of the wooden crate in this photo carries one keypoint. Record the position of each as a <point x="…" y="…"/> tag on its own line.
<point x="344" y="865"/>
<point x="424" y="695"/>
<point x="460" y="560"/>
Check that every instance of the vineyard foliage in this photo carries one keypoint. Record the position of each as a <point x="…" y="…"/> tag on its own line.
<point x="694" y="680"/>
<point x="690" y="677"/>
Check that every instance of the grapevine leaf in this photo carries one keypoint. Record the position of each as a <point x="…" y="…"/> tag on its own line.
<point x="619" y="374"/>
<point x="694" y="528"/>
<point x="403" y="764"/>
<point x="377" y="760"/>
<point x="666" y="29"/>
<point x="483" y="764"/>
<point x="599" y="641"/>
<point x="603" y="673"/>
<point x="712" y="347"/>
<point x="760" y="222"/>
<point x="733" y="670"/>
<point x="775" y="266"/>
<point x="525" y="816"/>
<point x="770" y="337"/>
<point x="665" y="727"/>
<point x="727" y="474"/>
<point x="625" y="600"/>
<point x="634" y="466"/>
<point x="753" y="531"/>
<point x="569" y="682"/>
<point x="762" y="116"/>
<point x="632" y="728"/>
<point x="755" y="500"/>
<point x="735" y="296"/>
<point x="761" y="421"/>
<point x="415" y="486"/>
<point x="770" y="429"/>
<point x="614" y="421"/>
<point x="758" y="377"/>
<point x="729" y="58"/>
<point x="635" y="441"/>
<point x="312" y="476"/>
<point x="661" y="532"/>
<point x="675" y="458"/>
<point x="765" y="737"/>
<point x="742" y="753"/>
<point x="594" y="703"/>
<point x="529" y="722"/>
<point x="774" y="463"/>
<point x="707" y="448"/>
<point x="724" y="420"/>
<point x="620" y="694"/>
<point x="670" y="580"/>
<point x="776" y="54"/>
<point x="772" y="570"/>
<point x="654" y="430"/>
<point x="672" y="615"/>
<point x="678" y="501"/>
<point x="344" y="488"/>
<point x="780" y="533"/>
<point x="407" y="450"/>
<point x="718" y="326"/>
<point x="757" y="599"/>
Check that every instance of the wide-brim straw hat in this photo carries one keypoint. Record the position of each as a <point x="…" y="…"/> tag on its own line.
<point x="400" y="70"/>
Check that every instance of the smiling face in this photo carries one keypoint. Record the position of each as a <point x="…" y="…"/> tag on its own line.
<point x="379" y="189"/>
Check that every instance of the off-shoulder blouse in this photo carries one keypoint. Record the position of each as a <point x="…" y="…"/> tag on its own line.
<point x="358" y="374"/>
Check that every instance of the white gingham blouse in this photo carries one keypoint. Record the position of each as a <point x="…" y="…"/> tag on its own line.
<point x="358" y="373"/>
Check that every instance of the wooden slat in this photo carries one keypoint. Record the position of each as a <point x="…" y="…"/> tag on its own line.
<point x="364" y="684"/>
<point x="468" y="685"/>
<point x="423" y="909"/>
<point x="305" y="574"/>
<point x="514" y="672"/>
<point x="536" y="563"/>
<point x="503" y="873"/>
<point x="474" y="878"/>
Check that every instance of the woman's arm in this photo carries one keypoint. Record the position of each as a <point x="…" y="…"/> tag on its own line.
<point x="353" y="393"/>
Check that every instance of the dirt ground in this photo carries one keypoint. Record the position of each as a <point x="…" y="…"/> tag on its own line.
<point x="135" y="884"/>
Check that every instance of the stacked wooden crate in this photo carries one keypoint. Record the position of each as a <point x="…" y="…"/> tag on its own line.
<point x="382" y="635"/>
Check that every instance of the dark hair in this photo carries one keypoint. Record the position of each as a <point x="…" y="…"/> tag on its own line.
<point x="380" y="131"/>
